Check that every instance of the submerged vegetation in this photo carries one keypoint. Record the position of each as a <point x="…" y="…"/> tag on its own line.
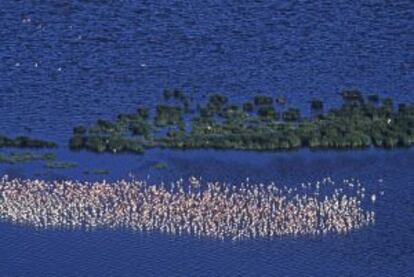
<point x="48" y="158"/>
<point x="23" y="142"/>
<point x="96" y="172"/>
<point x="15" y="157"/>
<point x="60" y="165"/>
<point x="253" y="125"/>
<point x="160" y="165"/>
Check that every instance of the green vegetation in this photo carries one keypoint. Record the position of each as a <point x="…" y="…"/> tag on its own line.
<point x="267" y="113"/>
<point x="80" y="130"/>
<point x="292" y="114"/>
<point x="15" y="157"/>
<point x="352" y="95"/>
<point x="263" y="100"/>
<point x="61" y="165"/>
<point x="259" y="126"/>
<point x="176" y="94"/>
<point x="160" y="165"/>
<point x="167" y="115"/>
<point x="281" y="100"/>
<point x="248" y="107"/>
<point x="218" y="100"/>
<point x="23" y="142"/>
<point x="316" y="104"/>
<point x="96" y="171"/>
<point x="373" y="98"/>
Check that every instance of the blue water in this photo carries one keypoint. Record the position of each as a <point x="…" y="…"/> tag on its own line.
<point x="69" y="62"/>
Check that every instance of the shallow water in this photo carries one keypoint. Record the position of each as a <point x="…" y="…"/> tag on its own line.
<point x="97" y="60"/>
<point x="385" y="249"/>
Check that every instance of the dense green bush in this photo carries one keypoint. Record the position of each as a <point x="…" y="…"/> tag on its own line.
<point x="143" y="112"/>
<point x="222" y="125"/>
<point x="95" y="143"/>
<point x="263" y="100"/>
<point x="373" y="98"/>
<point x="248" y="107"/>
<point x="140" y="128"/>
<point x="80" y="130"/>
<point x="267" y="113"/>
<point x="76" y="141"/>
<point x="292" y="114"/>
<point x="352" y="95"/>
<point x="167" y="115"/>
<point x="316" y="104"/>
<point x="217" y="100"/>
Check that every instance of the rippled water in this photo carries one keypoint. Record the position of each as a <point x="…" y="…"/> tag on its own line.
<point x="385" y="249"/>
<point x="117" y="55"/>
<point x="67" y="62"/>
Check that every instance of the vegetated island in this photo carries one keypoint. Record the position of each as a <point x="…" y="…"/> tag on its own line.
<point x="264" y="123"/>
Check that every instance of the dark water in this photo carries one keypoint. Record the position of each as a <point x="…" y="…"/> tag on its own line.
<point x="119" y="54"/>
<point x="69" y="62"/>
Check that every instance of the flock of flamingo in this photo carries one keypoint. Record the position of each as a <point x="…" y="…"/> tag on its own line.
<point x="211" y="209"/>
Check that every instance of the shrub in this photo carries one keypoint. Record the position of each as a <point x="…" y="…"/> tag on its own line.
<point x="178" y="94"/>
<point x="373" y="98"/>
<point x="105" y="125"/>
<point x="76" y="142"/>
<point x="168" y="94"/>
<point x="167" y="115"/>
<point x="316" y="104"/>
<point x="267" y="113"/>
<point x="292" y="114"/>
<point x="140" y="128"/>
<point x="95" y="143"/>
<point x="281" y="100"/>
<point x="143" y="112"/>
<point x="248" y="107"/>
<point x="352" y="95"/>
<point x="79" y="130"/>
<point x="263" y="100"/>
<point x="217" y="100"/>
<point x="134" y="146"/>
<point x="116" y="144"/>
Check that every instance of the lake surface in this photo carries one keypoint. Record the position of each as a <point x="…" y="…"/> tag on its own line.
<point x="70" y="62"/>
